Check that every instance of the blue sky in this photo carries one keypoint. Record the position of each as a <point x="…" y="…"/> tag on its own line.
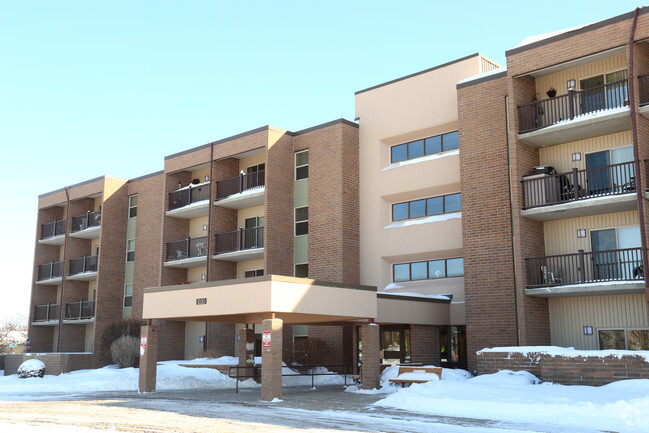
<point x="89" y="88"/>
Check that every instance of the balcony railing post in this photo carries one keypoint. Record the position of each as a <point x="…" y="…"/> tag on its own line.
<point x="241" y="181"/>
<point x="51" y="270"/>
<point x="189" y="194"/>
<point x="240" y="238"/>
<point x="571" y="103"/>
<point x="575" y="183"/>
<point x="187" y="242"/>
<point x="582" y="268"/>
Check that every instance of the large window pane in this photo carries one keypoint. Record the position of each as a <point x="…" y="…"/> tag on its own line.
<point x="419" y="271"/>
<point x="435" y="206"/>
<point x="433" y="145"/>
<point x="451" y="141"/>
<point x="612" y="339"/>
<point x="399" y="211"/>
<point x="402" y="272"/>
<point x="452" y="203"/>
<point x="455" y="267"/>
<point x="415" y="149"/>
<point x="400" y="152"/>
<point x="436" y="269"/>
<point x="638" y="339"/>
<point x="417" y="208"/>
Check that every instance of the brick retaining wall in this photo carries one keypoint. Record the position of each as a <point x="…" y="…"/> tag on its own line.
<point x="578" y="369"/>
<point x="55" y="363"/>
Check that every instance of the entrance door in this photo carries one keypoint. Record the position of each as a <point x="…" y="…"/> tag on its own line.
<point x="630" y="261"/>
<point x="603" y="243"/>
<point x="599" y="175"/>
<point x="395" y="345"/>
<point x="254" y="238"/>
<point x="592" y="94"/>
<point x="452" y="341"/>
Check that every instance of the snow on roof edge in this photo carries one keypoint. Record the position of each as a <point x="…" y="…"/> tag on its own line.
<point x="483" y="75"/>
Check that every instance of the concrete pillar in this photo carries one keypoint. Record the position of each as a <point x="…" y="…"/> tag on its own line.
<point x="148" y="358"/>
<point x="271" y="359"/>
<point x="370" y="371"/>
<point x="246" y="352"/>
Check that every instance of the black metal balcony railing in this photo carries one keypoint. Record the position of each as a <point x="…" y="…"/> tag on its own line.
<point x="85" y="221"/>
<point x="242" y="239"/>
<point x="585" y="267"/>
<point x="241" y="183"/>
<point x="79" y="310"/>
<point x="187" y="248"/>
<point x="593" y="182"/>
<point x="643" y="81"/>
<point x="52" y="229"/>
<point x="83" y="264"/>
<point x="50" y="270"/>
<point x="45" y="313"/>
<point x="546" y="112"/>
<point x="188" y="195"/>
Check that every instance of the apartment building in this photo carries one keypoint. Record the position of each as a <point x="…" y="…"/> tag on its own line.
<point x="553" y="167"/>
<point x="410" y="211"/>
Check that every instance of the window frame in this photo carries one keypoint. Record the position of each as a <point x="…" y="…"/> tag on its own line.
<point x="426" y="205"/>
<point x="298" y="167"/>
<point x="424" y="140"/>
<point x="132" y="209"/>
<point x="128" y="296"/>
<point x="255" y="273"/>
<point x="295" y="265"/>
<point x="131" y="258"/>
<point x="428" y="273"/>
<point x="301" y="222"/>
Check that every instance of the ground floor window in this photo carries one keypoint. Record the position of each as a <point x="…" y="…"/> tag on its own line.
<point x="452" y="346"/>
<point x="623" y="339"/>
<point x="395" y="344"/>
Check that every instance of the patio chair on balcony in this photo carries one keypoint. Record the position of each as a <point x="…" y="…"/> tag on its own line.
<point x="202" y="249"/>
<point x="568" y="189"/>
<point x="180" y="254"/>
<point x="548" y="278"/>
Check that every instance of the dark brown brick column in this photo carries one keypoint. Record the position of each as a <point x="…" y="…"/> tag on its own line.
<point x="246" y="347"/>
<point x="271" y="360"/>
<point x="148" y="358"/>
<point x="370" y="368"/>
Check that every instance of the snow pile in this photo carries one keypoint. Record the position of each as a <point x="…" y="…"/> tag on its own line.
<point x="31" y="368"/>
<point x="566" y="352"/>
<point x="519" y="397"/>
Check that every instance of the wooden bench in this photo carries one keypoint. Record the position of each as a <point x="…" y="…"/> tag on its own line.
<point x="415" y="374"/>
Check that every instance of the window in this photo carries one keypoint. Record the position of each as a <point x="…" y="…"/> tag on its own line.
<point x="427" y="207"/>
<point x="301" y="221"/>
<point x="132" y="206"/>
<point x="623" y="339"/>
<point x="253" y="273"/>
<point x="302" y="270"/>
<point x="128" y="295"/>
<point x="302" y="165"/>
<point x="130" y="250"/>
<point x="428" y="270"/>
<point x="425" y="146"/>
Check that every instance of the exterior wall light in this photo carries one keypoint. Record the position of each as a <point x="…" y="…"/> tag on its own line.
<point x="588" y="330"/>
<point x="581" y="233"/>
<point x="572" y="84"/>
<point x="202" y="277"/>
<point x="576" y="156"/>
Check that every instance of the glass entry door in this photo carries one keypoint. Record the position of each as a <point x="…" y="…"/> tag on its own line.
<point x="603" y="243"/>
<point x="395" y="344"/>
<point x="592" y="94"/>
<point x="599" y="175"/>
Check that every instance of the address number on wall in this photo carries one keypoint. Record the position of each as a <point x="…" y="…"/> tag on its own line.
<point x="201" y="301"/>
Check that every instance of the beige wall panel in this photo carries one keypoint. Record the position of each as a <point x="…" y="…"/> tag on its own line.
<point x="301" y="193"/>
<point x="201" y="173"/>
<point x="561" y="235"/>
<point x="301" y="249"/>
<point x="249" y="265"/>
<point x="250" y="212"/>
<point x="196" y="227"/>
<point x="93" y="246"/>
<point x="90" y="337"/>
<point x="111" y="185"/>
<point x="560" y="157"/>
<point x="458" y="313"/>
<point x="193" y="345"/>
<point x="194" y="274"/>
<point x="413" y="312"/>
<point x="559" y="80"/>
<point x="568" y="316"/>
<point x="249" y="161"/>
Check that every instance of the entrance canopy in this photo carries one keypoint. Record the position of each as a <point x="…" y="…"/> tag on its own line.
<point x="251" y="300"/>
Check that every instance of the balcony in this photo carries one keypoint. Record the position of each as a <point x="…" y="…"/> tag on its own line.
<point x="80" y="311"/>
<point x="83" y="269"/>
<point x="245" y="190"/>
<point x="599" y="190"/>
<point x="192" y="201"/>
<point x="53" y="233"/>
<point x="46" y="314"/>
<point x="86" y="226"/>
<point x="187" y="253"/>
<point x="586" y="273"/>
<point x="239" y="245"/>
<point x="575" y="116"/>
<point x="50" y="274"/>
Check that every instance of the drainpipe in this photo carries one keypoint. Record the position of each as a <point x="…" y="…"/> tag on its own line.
<point x="511" y="212"/>
<point x="638" y="178"/>
<point x="209" y="226"/>
<point x="68" y="222"/>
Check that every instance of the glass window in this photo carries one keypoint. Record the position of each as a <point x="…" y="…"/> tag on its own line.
<point x="301" y="221"/>
<point x="302" y="270"/>
<point x="419" y="271"/>
<point x="433" y="144"/>
<point x="451" y="141"/>
<point x="128" y="295"/>
<point x="452" y="203"/>
<point x="253" y="273"/>
<point x="400" y="152"/>
<point x="435" y="206"/>
<point x="415" y="149"/>
<point x="417" y="208"/>
<point x="132" y="206"/>
<point x="130" y="250"/>
<point x="436" y="269"/>
<point x="638" y="339"/>
<point x="402" y="272"/>
<point x="455" y="267"/>
<point x="302" y="165"/>
<point x="399" y="211"/>
<point x="611" y="339"/>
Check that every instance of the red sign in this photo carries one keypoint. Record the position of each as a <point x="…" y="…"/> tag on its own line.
<point x="265" y="340"/>
<point x="143" y="339"/>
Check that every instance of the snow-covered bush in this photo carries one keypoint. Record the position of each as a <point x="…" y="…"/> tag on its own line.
<point x="31" y="368"/>
<point x="309" y="351"/>
<point x="125" y="351"/>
